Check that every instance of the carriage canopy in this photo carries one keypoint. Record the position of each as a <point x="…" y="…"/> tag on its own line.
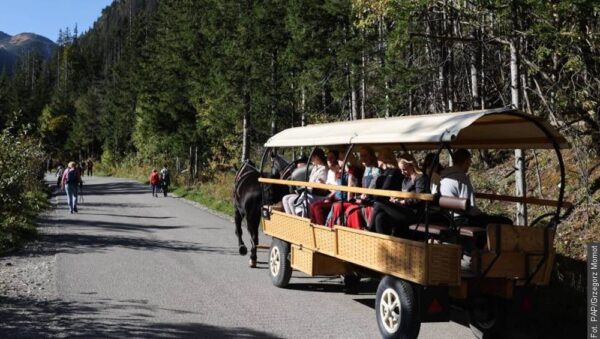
<point x="501" y="128"/>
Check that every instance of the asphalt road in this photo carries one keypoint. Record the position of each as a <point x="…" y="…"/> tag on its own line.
<point x="131" y="265"/>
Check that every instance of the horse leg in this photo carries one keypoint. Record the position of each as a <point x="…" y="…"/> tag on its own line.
<point x="238" y="232"/>
<point x="253" y="223"/>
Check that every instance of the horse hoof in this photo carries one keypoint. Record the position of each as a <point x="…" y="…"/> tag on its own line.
<point x="252" y="263"/>
<point x="243" y="250"/>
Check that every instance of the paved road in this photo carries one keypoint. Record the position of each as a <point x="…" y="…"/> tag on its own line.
<point x="131" y="265"/>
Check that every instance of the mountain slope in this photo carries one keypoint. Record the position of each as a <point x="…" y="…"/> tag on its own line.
<point x="12" y="47"/>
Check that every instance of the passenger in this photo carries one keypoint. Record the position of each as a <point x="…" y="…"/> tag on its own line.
<point x="320" y="209"/>
<point x="434" y="176"/>
<point x="394" y="216"/>
<point x="356" y="212"/>
<point x="298" y="203"/>
<point x="299" y="173"/>
<point x="390" y="179"/>
<point x="456" y="183"/>
<point x="371" y="172"/>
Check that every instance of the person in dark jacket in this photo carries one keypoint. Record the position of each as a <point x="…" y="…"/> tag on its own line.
<point x="165" y="180"/>
<point x="390" y="179"/>
<point x="395" y="215"/>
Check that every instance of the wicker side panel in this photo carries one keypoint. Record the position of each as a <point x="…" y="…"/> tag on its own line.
<point x="405" y="259"/>
<point x="314" y="263"/>
<point x="326" y="265"/>
<point x="290" y="228"/>
<point x="302" y="260"/>
<point x="325" y="239"/>
<point x="444" y="264"/>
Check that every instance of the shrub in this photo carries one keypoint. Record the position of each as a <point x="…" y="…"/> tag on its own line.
<point x="21" y="189"/>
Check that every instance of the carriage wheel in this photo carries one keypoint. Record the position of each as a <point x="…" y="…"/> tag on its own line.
<point x="487" y="317"/>
<point x="397" y="309"/>
<point x="280" y="268"/>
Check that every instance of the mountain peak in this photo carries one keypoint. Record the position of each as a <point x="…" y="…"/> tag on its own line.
<point x="4" y="36"/>
<point x="12" y="47"/>
<point x="22" y="38"/>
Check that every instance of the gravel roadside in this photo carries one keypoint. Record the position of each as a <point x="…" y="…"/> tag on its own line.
<point x="28" y="296"/>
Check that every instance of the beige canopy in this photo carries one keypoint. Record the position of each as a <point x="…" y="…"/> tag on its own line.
<point x="501" y="128"/>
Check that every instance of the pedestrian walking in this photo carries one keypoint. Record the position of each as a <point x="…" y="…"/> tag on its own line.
<point x="90" y="167"/>
<point x="70" y="181"/>
<point x="79" y="174"/>
<point x="60" y="170"/>
<point x="154" y="182"/>
<point x="165" y="179"/>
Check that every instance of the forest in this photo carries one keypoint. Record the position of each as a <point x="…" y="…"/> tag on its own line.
<point x="200" y="85"/>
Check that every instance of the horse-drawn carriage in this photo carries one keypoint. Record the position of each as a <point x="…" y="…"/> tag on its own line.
<point x="422" y="273"/>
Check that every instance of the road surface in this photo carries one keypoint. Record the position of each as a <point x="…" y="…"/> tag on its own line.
<point x="132" y="265"/>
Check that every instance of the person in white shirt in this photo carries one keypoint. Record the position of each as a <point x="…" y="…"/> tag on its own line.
<point x="456" y="183"/>
<point x="297" y="204"/>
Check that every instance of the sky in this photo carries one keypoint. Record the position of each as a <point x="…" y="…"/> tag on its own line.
<point x="46" y="17"/>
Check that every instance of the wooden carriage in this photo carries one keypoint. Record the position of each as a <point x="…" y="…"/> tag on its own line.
<point x="424" y="270"/>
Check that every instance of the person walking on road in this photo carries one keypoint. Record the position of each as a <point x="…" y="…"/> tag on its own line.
<point x="80" y="173"/>
<point x="165" y="179"/>
<point x="154" y="182"/>
<point x="90" y="167"/>
<point x="70" y="181"/>
<point x="59" y="174"/>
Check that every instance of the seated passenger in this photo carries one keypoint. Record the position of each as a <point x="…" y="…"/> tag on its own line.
<point x="456" y="183"/>
<point x="390" y="179"/>
<point x="353" y="215"/>
<point x="434" y="176"/>
<point x="297" y="203"/>
<point x="395" y="215"/>
<point x="371" y="172"/>
<point x="334" y="177"/>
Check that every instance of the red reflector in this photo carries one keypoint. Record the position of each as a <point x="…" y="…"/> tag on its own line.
<point x="526" y="304"/>
<point x="435" y="307"/>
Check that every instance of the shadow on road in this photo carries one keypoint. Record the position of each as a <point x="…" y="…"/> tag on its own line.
<point x="125" y="215"/>
<point x="86" y="243"/>
<point x="26" y="318"/>
<point x="110" y="225"/>
<point x="117" y="188"/>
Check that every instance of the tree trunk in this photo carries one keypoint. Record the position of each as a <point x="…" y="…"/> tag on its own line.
<point x="246" y="127"/>
<point x="363" y="83"/>
<point x="273" y="92"/>
<point x="196" y="163"/>
<point x="520" y="178"/>
<point x="381" y="47"/>
<point x="353" y="99"/>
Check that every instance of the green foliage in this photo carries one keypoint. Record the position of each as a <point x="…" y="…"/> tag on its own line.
<point x="21" y="192"/>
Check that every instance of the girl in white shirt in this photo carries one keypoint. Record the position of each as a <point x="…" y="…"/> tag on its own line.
<point x="296" y="204"/>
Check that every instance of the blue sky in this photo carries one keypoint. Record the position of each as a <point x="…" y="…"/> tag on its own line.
<point x="46" y="17"/>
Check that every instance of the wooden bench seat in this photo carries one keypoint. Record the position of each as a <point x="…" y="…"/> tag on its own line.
<point x="465" y="231"/>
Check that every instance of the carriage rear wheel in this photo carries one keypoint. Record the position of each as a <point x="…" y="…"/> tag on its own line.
<point x="397" y="309"/>
<point x="280" y="268"/>
<point x="487" y="317"/>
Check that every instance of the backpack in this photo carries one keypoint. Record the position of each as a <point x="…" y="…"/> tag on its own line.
<point x="71" y="177"/>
